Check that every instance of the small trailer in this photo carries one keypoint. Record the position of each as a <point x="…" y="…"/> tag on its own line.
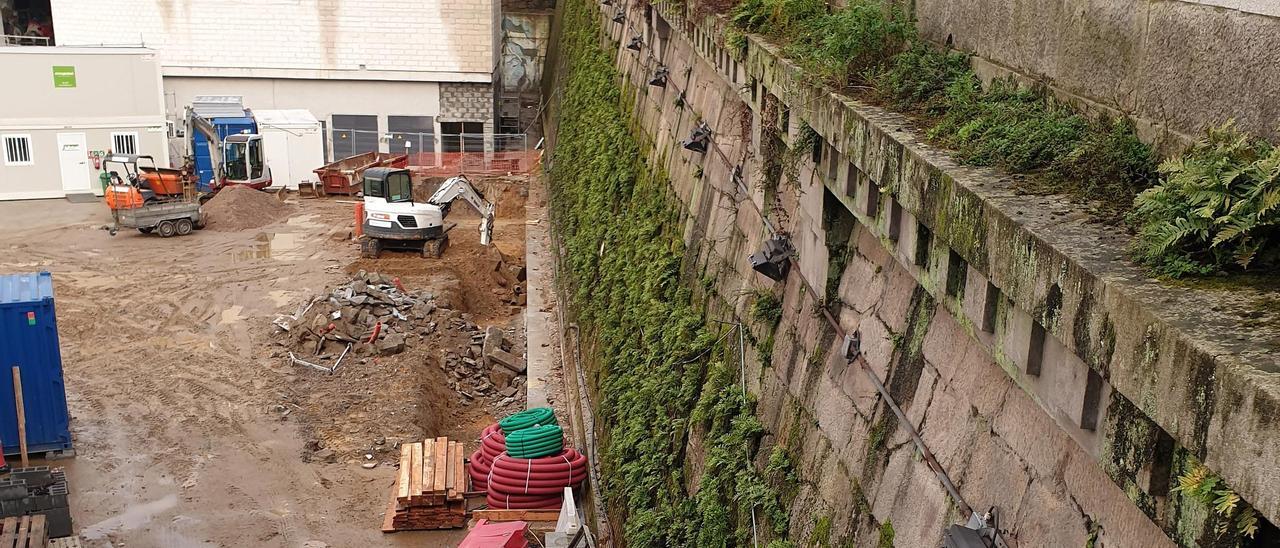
<point x="165" y="219"/>
<point x="345" y="176"/>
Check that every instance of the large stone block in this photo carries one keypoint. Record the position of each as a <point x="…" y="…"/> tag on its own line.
<point x="1123" y="524"/>
<point x="1047" y="517"/>
<point x="1032" y="434"/>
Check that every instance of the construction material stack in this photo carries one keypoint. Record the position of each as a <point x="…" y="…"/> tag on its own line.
<point x="429" y="490"/>
<point x="37" y="491"/>
<point x="24" y="532"/>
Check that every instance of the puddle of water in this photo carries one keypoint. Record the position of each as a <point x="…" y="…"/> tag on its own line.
<point x="284" y="246"/>
<point x="134" y="517"/>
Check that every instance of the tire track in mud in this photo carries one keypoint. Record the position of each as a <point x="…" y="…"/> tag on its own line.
<point x="164" y="383"/>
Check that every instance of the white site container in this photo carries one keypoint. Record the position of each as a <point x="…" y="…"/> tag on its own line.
<point x="293" y="143"/>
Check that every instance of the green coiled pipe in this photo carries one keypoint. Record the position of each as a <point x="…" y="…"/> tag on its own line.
<point x="536" y="442"/>
<point x="526" y="419"/>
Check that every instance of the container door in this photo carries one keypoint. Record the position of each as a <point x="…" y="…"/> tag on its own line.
<point x="73" y="157"/>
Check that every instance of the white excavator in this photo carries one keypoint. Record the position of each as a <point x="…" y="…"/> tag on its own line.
<point x="393" y="220"/>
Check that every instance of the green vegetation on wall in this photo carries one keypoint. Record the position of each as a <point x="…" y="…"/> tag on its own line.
<point x="871" y="48"/>
<point x="1232" y="522"/>
<point x="666" y="377"/>
<point x="1216" y="209"/>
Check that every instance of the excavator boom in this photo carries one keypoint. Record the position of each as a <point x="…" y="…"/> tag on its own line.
<point x="460" y="187"/>
<point x="199" y="124"/>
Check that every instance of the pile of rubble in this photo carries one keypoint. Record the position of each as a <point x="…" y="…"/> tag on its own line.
<point x="486" y="368"/>
<point x="372" y="314"/>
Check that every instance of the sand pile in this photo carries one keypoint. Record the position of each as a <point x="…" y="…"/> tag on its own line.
<point x="240" y="208"/>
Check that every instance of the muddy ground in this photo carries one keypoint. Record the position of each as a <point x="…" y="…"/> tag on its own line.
<point x="191" y="428"/>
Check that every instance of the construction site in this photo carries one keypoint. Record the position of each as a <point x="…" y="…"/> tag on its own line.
<point x="632" y="273"/>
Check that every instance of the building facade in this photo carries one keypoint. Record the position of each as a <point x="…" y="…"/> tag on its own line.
<point x="379" y="75"/>
<point x="67" y="108"/>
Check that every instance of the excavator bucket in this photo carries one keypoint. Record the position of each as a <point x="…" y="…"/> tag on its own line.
<point x="486" y="226"/>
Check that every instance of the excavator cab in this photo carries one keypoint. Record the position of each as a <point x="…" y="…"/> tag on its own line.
<point x="393" y="219"/>
<point x="243" y="162"/>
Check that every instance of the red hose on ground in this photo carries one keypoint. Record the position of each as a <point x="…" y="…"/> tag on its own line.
<point x="522" y="484"/>
<point x="533" y="483"/>
<point x="501" y="501"/>
<point x="492" y="444"/>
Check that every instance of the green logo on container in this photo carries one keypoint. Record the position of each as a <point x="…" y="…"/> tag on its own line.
<point x="64" y="77"/>
<point x="31" y="318"/>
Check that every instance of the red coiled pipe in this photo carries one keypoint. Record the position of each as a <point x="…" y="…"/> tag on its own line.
<point x="492" y="444"/>
<point x="533" y="483"/>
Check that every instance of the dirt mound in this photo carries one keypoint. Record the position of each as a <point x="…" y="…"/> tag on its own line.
<point x="477" y="279"/>
<point x="508" y="195"/>
<point x="240" y="208"/>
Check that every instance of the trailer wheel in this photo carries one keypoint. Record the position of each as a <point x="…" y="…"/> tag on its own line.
<point x="145" y="230"/>
<point x="166" y="229"/>
<point x="370" y="248"/>
<point x="184" y="227"/>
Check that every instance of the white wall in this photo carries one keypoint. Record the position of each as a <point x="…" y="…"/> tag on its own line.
<point x="43" y="177"/>
<point x="323" y="98"/>
<point x="117" y="90"/>
<point x="111" y="83"/>
<point x="358" y="38"/>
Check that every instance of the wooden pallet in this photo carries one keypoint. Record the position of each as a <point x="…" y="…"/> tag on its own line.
<point x="428" y="493"/>
<point x="24" y="532"/>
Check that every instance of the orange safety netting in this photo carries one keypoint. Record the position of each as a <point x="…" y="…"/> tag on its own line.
<point x="453" y="163"/>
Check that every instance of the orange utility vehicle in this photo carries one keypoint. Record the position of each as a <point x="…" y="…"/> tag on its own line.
<point x="151" y="199"/>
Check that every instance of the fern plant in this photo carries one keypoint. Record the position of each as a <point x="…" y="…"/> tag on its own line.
<point x="1217" y="208"/>
<point x="1234" y="519"/>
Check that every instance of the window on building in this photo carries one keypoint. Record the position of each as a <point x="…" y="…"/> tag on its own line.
<point x="354" y="134"/>
<point x="418" y="131"/>
<point x="462" y="136"/>
<point x="124" y="142"/>
<point x="17" y="150"/>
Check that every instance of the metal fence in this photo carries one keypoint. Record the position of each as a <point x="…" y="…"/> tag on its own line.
<point x="447" y="154"/>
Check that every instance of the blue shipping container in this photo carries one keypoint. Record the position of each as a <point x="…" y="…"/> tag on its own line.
<point x="225" y="127"/>
<point x="29" y="340"/>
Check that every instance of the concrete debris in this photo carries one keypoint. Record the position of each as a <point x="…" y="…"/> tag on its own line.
<point x="506" y="359"/>
<point x="370" y="315"/>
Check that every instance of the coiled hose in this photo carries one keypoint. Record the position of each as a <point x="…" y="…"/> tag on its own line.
<point x="536" y="442"/>
<point x="492" y="444"/>
<point x="526" y="419"/>
<point x="517" y="483"/>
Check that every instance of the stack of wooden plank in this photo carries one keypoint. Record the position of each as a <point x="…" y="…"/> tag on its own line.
<point x="428" y="493"/>
<point x="24" y="532"/>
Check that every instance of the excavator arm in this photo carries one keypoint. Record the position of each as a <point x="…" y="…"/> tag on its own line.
<point x="460" y="187"/>
<point x="198" y="124"/>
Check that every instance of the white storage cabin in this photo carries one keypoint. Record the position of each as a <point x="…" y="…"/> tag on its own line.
<point x="293" y="142"/>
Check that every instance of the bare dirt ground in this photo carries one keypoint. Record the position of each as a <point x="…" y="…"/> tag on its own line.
<point x="191" y="429"/>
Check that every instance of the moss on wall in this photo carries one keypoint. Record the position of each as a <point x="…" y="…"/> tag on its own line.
<point x="663" y="372"/>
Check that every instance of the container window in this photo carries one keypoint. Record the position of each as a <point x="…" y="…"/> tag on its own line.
<point x="124" y="142"/>
<point x="17" y="150"/>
